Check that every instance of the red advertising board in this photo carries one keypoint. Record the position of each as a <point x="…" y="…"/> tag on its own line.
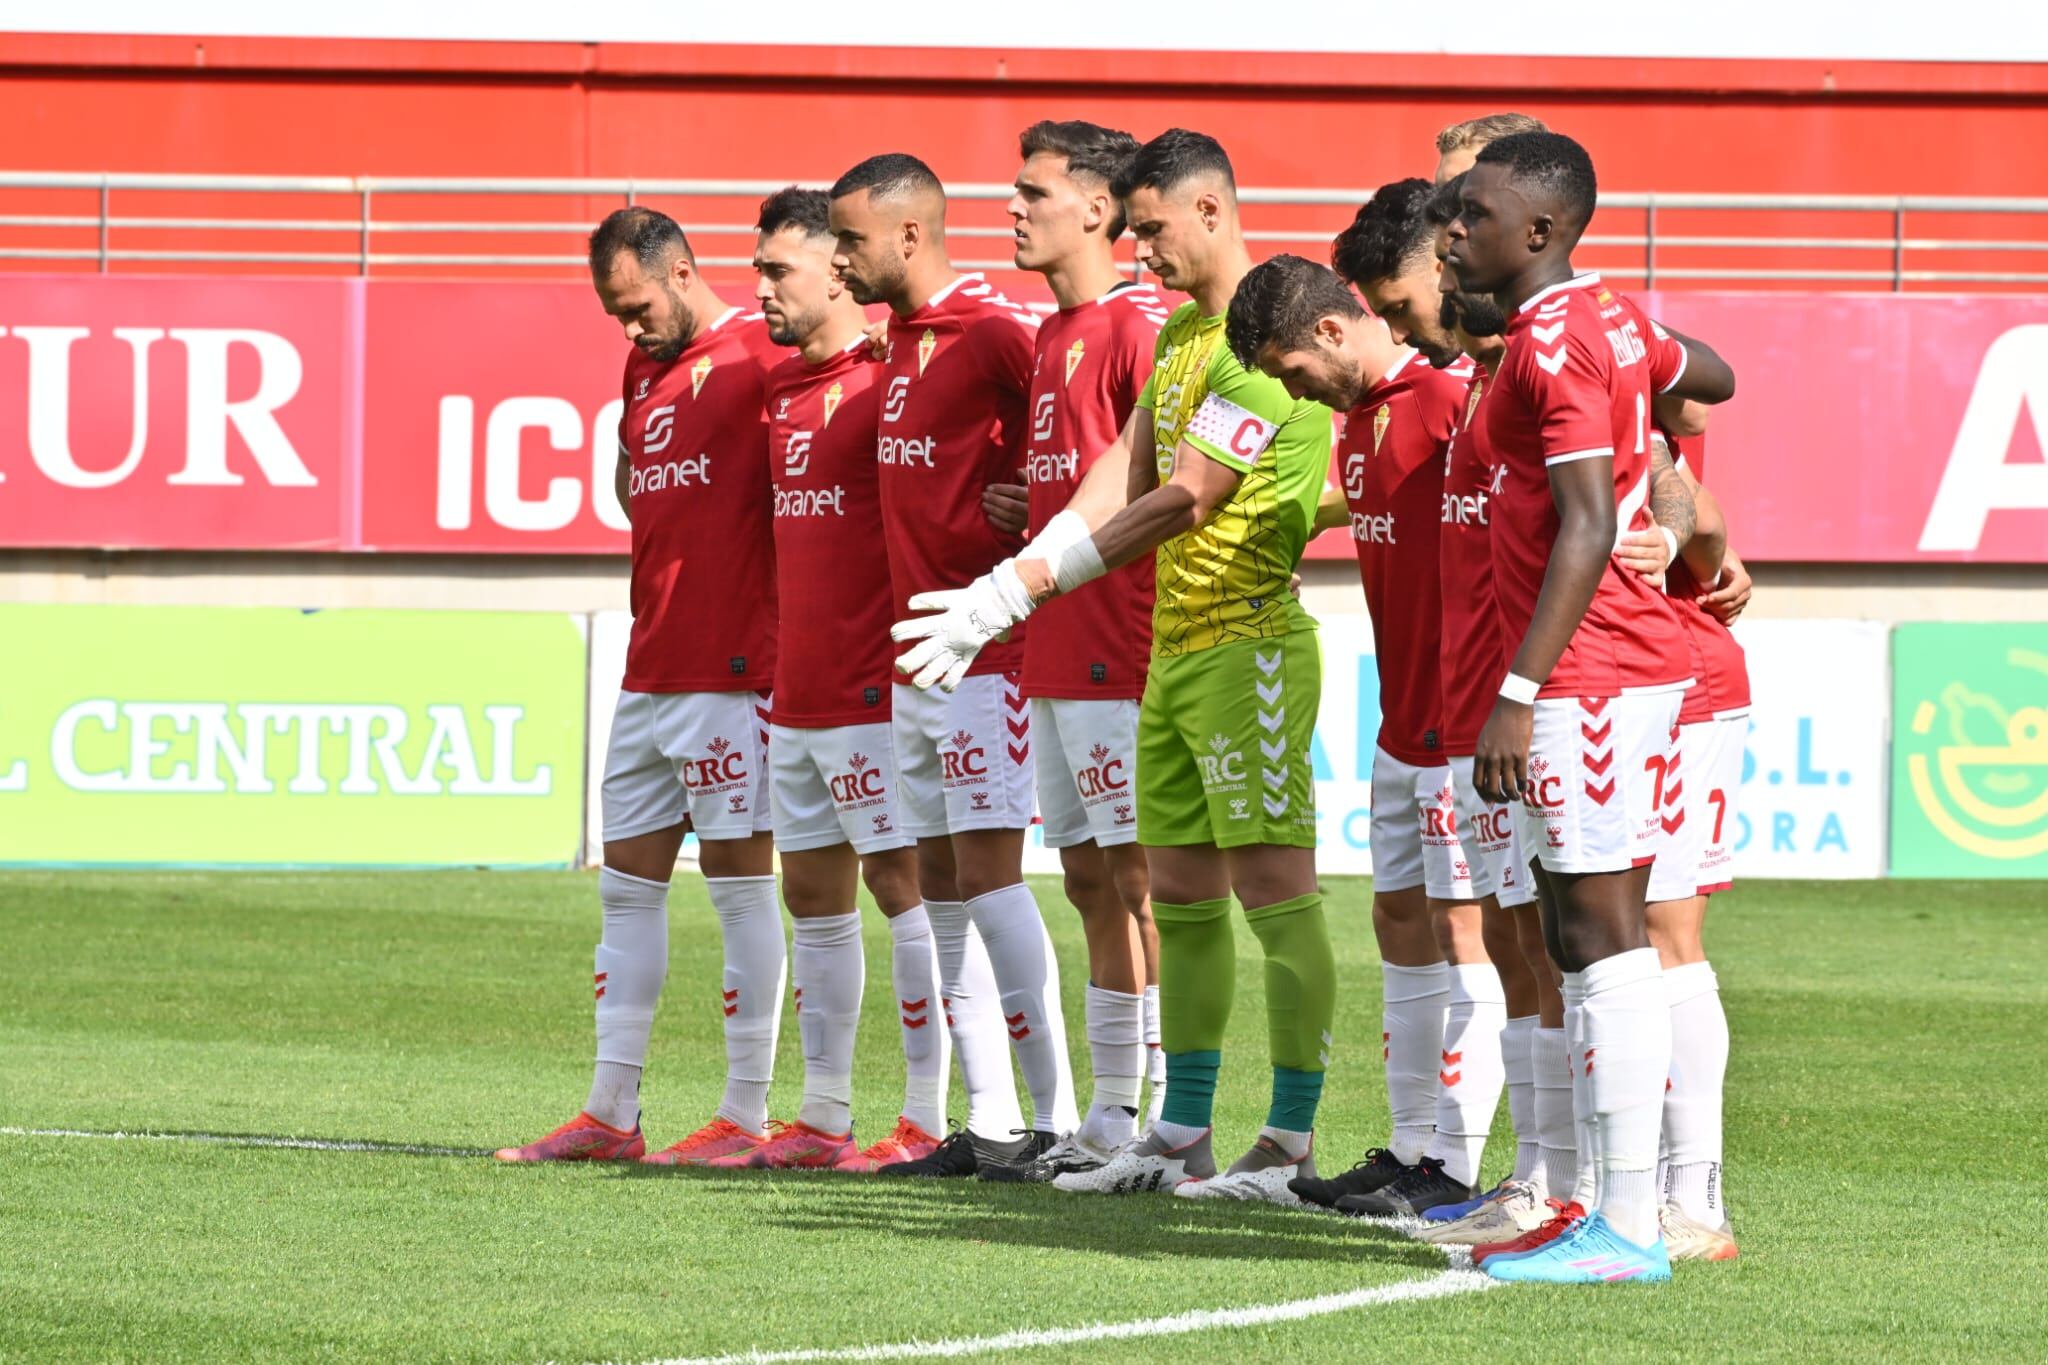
<point x="491" y="419"/>
<point x="178" y="413"/>
<point x="478" y="418"/>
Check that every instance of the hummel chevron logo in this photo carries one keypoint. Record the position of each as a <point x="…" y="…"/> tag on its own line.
<point x="916" y="1013"/>
<point x="1329" y="1043"/>
<point x="1275" y="780"/>
<point x="1546" y="335"/>
<point x="1551" y="363"/>
<point x="732" y="1003"/>
<point x="1268" y="664"/>
<point x="1019" y="1030"/>
<point x="1273" y="749"/>
<point x="1274" y="720"/>
<point x="1276" y="808"/>
<point x="1271" y="694"/>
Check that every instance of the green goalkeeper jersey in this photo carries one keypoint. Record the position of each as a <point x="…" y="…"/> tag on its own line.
<point x="1228" y="579"/>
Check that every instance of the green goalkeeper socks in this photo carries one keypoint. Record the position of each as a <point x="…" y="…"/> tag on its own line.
<point x="1197" y="981"/>
<point x="1301" y="1002"/>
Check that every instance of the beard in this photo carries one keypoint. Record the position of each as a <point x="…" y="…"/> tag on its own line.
<point x="875" y="283"/>
<point x="686" y="328"/>
<point x="791" y="328"/>
<point x="1478" y="314"/>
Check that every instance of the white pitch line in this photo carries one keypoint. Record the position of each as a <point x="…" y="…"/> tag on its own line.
<point x="1409" y="1291"/>
<point x="249" y="1140"/>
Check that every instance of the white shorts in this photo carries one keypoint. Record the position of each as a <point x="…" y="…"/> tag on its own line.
<point x="1089" y="756"/>
<point x="835" y="786"/>
<point x="1483" y="845"/>
<point x="964" y="757"/>
<point x="1699" y="856"/>
<point x="1605" y="787"/>
<point x="700" y="756"/>
<point x="1403" y="798"/>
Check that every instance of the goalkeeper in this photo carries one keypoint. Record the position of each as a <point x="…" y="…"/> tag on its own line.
<point x="1225" y="793"/>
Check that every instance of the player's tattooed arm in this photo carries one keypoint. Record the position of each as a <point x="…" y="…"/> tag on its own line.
<point x="1707" y="551"/>
<point x="1671" y="504"/>
<point x="1584" y="493"/>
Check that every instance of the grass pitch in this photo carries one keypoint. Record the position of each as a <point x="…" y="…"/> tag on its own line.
<point x="1885" y="1131"/>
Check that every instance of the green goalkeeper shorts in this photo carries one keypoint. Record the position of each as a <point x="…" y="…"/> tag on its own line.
<point x="1223" y="744"/>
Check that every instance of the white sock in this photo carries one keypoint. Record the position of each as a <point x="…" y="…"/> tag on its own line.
<point x="630" y="965"/>
<point x="1155" y="1058"/>
<point x="967" y="993"/>
<point x="1550" y="1061"/>
<point x="830" y="971"/>
<point x="1116" y="1046"/>
<point x="1628" y="1058"/>
<point x="1585" y="1186"/>
<point x="1412" y="1039"/>
<point x="1295" y="1144"/>
<point x="1692" y="1106"/>
<point x="1516" y="1038"/>
<point x="756" y="970"/>
<point x="1470" y="1072"/>
<point x="1028" y="975"/>
<point x="927" y="1047"/>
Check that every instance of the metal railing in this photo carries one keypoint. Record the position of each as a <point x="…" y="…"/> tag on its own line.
<point x="1664" y="238"/>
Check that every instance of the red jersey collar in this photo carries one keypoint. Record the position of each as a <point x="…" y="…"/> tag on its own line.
<point x="1586" y="281"/>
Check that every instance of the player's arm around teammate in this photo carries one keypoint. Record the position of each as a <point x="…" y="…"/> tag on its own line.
<point x="1234" y="666"/>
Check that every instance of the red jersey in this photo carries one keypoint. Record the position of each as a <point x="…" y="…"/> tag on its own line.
<point x="1721" y="685"/>
<point x="1093" y="360"/>
<point x="1471" y="648"/>
<point x="703" y="543"/>
<point x="1581" y="366"/>
<point x="954" y="390"/>
<point x="1392" y="462"/>
<point x="835" y="670"/>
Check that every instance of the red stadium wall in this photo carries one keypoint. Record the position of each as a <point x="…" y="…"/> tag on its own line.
<point x="426" y="108"/>
<point x="403" y="108"/>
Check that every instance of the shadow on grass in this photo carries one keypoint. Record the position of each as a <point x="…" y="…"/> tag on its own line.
<point x="1138" y="1226"/>
<point x="276" y="1141"/>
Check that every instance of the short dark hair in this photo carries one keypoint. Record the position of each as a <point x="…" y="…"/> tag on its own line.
<point x="892" y="175"/>
<point x="1443" y="205"/>
<point x="1171" y="159"/>
<point x="1093" y="152"/>
<point x="1551" y="164"/>
<point x="651" y="235"/>
<point x="1389" y="231"/>
<point x="1281" y="301"/>
<point x="808" y="211"/>
<point x="1486" y="128"/>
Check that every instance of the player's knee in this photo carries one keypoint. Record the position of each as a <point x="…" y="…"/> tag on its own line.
<point x="1134" y="892"/>
<point x="893" y="882"/>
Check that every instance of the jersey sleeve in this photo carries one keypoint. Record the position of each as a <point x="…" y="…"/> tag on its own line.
<point x="1241" y="416"/>
<point x="1667" y="359"/>
<point x="1568" y="396"/>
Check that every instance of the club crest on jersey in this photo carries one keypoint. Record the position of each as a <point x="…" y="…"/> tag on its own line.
<point x="699" y="372"/>
<point x="1472" y="400"/>
<point x="926" y="344"/>
<point x="1381" y="420"/>
<point x="1074" y="354"/>
<point x="1219" y="743"/>
<point x="833" y="396"/>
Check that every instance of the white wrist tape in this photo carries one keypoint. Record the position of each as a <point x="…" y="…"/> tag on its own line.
<point x="1670" y="545"/>
<point x="1520" y="689"/>
<point x="1068" y="549"/>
